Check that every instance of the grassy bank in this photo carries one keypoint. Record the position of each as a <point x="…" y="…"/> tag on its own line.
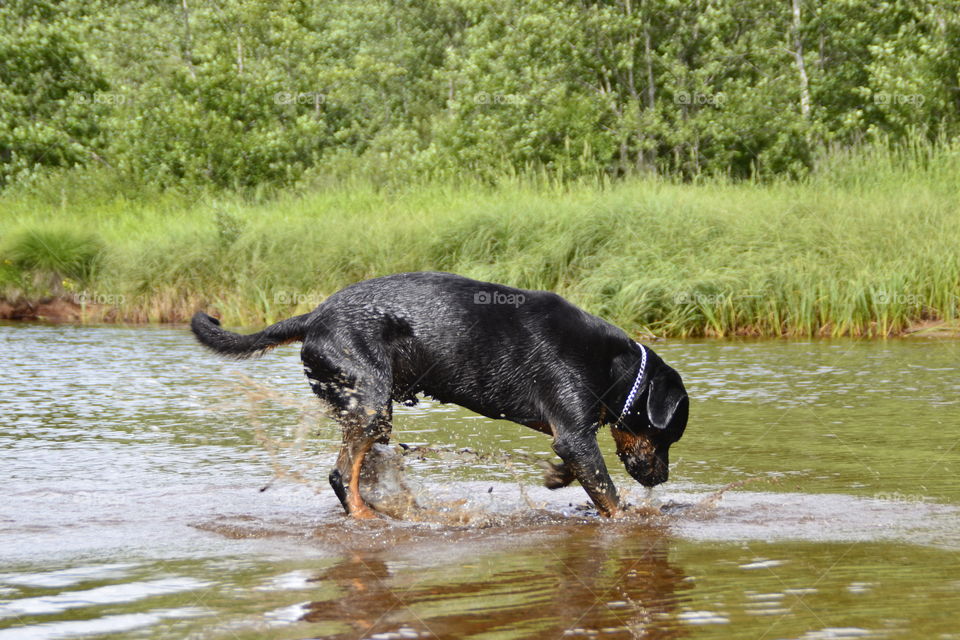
<point x="868" y="246"/>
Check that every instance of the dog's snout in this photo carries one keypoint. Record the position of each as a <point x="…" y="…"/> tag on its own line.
<point x="648" y="470"/>
<point x="653" y="479"/>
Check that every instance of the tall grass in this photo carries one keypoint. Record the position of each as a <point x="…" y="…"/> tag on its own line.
<point x="867" y="246"/>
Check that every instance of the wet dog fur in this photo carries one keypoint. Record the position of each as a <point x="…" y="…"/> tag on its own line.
<point x="513" y="354"/>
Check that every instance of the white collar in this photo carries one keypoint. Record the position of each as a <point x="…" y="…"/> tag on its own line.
<point x="635" y="389"/>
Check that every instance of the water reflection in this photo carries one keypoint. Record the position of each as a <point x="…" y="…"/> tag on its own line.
<point x="576" y="581"/>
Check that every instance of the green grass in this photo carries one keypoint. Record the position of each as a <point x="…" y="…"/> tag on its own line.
<point x="868" y="246"/>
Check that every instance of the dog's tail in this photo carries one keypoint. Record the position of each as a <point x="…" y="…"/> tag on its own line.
<point x="208" y="332"/>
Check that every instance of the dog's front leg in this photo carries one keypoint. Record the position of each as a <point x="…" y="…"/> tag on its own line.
<point x="557" y="476"/>
<point x="581" y="455"/>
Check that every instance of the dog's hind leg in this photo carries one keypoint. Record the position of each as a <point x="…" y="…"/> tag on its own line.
<point x="362" y="429"/>
<point x="341" y="474"/>
<point x="359" y="394"/>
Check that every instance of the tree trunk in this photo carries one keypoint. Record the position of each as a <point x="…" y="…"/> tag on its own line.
<point x="239" y="55"/>
<point x="801" y="68"/>
<point x="187" y="46"/>
<point x="648" y="58"/>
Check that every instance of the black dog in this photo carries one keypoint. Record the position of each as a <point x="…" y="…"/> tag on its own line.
<point x="526" y="356"/>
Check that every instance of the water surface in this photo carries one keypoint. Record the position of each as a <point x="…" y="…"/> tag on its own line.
<point x="134" y="464"/>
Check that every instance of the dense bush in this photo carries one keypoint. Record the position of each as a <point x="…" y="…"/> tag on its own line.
<point x="237" y="93"/>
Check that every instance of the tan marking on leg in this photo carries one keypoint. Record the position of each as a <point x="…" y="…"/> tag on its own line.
<point x="358" y="508"/>
<point x="606" y="507"/>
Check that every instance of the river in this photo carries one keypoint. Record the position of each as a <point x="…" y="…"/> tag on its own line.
<point x="152" y="490"/>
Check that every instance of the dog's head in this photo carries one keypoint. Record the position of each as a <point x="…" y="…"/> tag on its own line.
<point x="657" y="420"/>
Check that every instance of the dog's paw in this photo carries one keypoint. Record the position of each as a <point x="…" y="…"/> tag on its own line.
<point x="556" y="476"/>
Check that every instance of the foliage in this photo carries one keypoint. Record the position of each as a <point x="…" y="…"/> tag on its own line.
<point x="865" y="246"/>
<point x="50" y="261"/>
<point x="253" y="94"/>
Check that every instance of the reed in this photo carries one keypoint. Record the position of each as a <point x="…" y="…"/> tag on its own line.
<point x="865" y="246"/>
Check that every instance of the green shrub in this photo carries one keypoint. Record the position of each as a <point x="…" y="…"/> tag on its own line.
<point x="61" y="254"/>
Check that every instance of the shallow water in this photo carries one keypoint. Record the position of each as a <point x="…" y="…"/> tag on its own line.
<point x="134" y="462"/>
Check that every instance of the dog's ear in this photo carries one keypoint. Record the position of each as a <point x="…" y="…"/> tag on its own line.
<point x="667" y="401"/>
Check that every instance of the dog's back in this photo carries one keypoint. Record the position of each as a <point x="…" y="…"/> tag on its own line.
<point x="491" y="348"/>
